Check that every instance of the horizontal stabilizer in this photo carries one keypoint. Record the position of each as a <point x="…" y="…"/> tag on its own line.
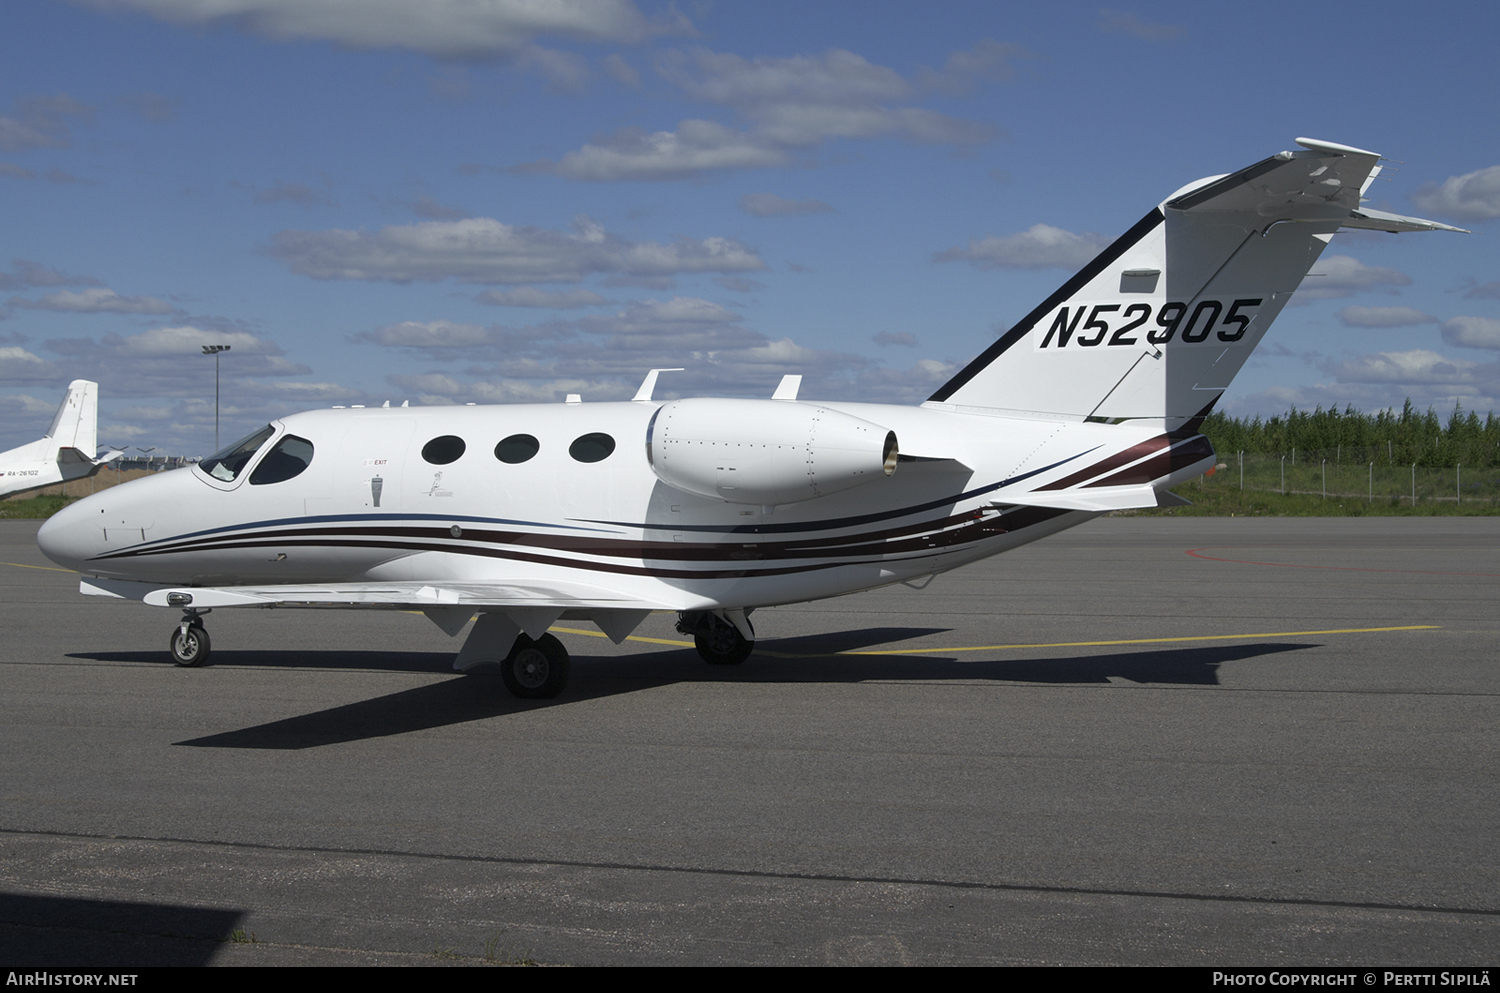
<point x="1379" y="220"/>
<point x="1100" y="500"/>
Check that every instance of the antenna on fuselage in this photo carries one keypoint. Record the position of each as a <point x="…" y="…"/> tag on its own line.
<point x="648" y="385"/>
<point x="787" y="388"/>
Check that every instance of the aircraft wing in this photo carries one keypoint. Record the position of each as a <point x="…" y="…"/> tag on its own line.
<point x="390" y="596"/>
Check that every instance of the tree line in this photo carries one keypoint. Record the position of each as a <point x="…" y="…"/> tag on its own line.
<point x="1406" y="437"/>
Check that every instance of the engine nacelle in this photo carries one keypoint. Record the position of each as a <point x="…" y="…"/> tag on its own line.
<point x="765" y="451"/>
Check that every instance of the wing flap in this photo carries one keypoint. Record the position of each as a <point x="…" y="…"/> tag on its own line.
<point x="541" y="596"/>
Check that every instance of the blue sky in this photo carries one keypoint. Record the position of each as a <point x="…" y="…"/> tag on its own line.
<point x="492" y="201"/>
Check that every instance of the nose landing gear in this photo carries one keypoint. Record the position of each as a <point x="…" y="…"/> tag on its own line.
<point x="189" y="645"/>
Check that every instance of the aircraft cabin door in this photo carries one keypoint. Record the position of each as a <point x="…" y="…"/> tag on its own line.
<point x="368" y="467"/>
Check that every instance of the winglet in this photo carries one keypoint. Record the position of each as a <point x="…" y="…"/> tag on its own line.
<point x="787" y="388"/>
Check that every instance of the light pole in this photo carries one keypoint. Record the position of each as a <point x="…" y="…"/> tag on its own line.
<point x="214" y="350"/>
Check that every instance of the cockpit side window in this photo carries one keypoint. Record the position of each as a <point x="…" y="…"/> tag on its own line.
<point x="228" y="463"/>
<point x="290" y="456"/>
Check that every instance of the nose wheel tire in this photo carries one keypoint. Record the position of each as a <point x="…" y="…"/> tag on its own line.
<point x="536" y="670"/>
<point x="190" y="647"/>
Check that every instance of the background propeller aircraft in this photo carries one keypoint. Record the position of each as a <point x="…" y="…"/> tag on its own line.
<point x="714" y="508"/>
<point x="65" y="452"/>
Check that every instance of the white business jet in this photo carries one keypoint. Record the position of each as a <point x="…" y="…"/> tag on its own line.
<point x="65" y="452"/>
<point x="713" y="508"/>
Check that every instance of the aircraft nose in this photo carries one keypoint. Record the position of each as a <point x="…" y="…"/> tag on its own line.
<point x="71" y="536"/>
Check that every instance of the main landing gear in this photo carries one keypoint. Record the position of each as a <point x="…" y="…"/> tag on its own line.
<point x="536" y="670"/>
<point x="717" y="640"/>
<point x="190" y="644"/>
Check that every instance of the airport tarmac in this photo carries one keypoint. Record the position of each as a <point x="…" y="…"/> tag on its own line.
<point x="1144" y="741"/>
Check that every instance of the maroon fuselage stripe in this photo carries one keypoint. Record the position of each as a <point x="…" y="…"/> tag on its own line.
<point x="1164" y="464"/>
<point x="957" y="530"/>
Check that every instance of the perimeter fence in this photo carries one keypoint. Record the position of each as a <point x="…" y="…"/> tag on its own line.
<point x="1358" y="473"/>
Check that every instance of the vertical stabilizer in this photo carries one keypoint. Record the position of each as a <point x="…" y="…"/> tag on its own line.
<point x="76" y="423"/>
<point x="1159" y="324"/>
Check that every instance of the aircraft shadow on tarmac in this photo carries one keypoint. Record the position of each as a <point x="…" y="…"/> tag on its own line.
<point x="80" y="933"/>
<point x="481" y="695"/>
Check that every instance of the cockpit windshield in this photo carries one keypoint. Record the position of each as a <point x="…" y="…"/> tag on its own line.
<point x="228" y="463"/>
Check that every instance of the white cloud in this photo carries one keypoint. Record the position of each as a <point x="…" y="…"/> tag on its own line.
<point x="17" y="365"/>
<point x="1363" y="396"/>
<point x="188" y="340"/>
<point x="11" y="355"/>
<point x="1417" y="366"/>
<point x="26" y="273"/>
<point x="622" y="72"/>
<point x="987" y="60"/>
<point x="1474" y="196"/>
<point x="56" y="175"/>
<point x="604" y="357"/>
<point x="695" y="147"/>
<point x="429" y="209"/>
<point x="682" y="322"/>
<point x="96" y="300"/>
<point x="1383" y="317"/>
<point x="304" y="393"/>
<point x="448" y="29"/>
<point x="771" y="205"/>
<point x="169" y="362"/>
<point x="530" y="296"/>
<point x="42" y="122"/>
<point x="1343" y="275"/>
<point x="792" y="104"/>
<point x="153" y="107"/>
<point x="835" y="78"/>
<point x="430" y="335"/>
<point x="1125" y="23"/>
<point x="1472" y="332"/>
<point x="24" y="404"/>
<point x="483" y="250"/>
<point x="298" y="193"/>
<point x="435" y="388"/>
<point x="565" y="72"/>
<point x="739" y="284"/>
<point x="1040" y="247"/>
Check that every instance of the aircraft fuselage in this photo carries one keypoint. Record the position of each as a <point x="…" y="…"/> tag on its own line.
<point x="369" y="507"/>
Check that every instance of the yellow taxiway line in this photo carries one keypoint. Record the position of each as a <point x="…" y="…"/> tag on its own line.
<point x="600" y="634"/>
<point x="49" y="568"/>
<point x="1050" y="644"/>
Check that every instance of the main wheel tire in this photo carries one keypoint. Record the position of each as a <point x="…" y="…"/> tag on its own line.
<point x="720" y="643"/>
<point x="536" y="670"/>
<point x="190" y="649"/>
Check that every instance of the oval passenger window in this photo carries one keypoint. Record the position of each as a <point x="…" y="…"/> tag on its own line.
<point x="441" y="451"/>
<point x="592" y="448"/>
<point x="517" y="449"/>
